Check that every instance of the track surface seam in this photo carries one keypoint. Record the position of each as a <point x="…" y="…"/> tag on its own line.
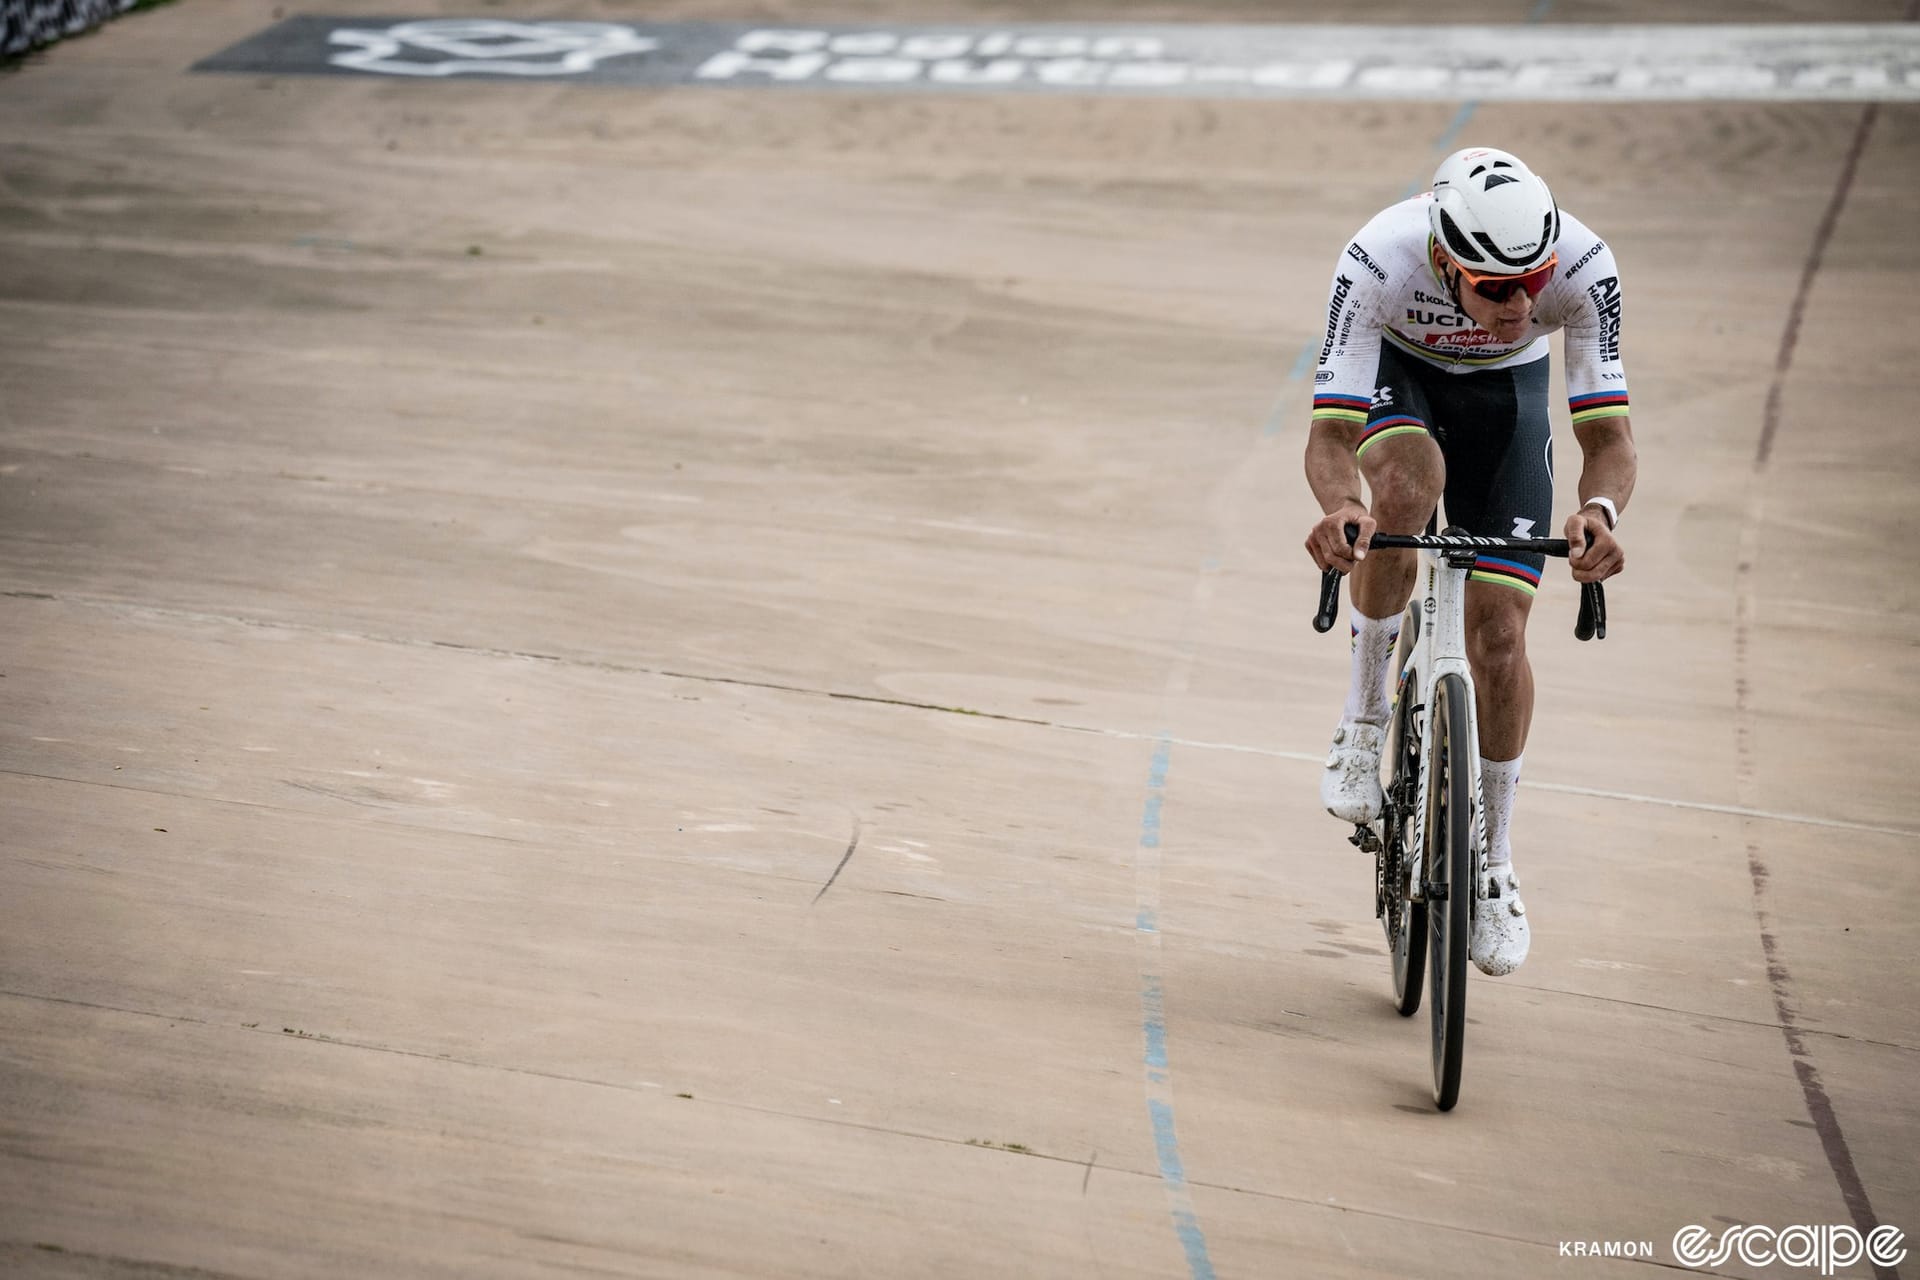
<point x="444" y="832"/>
<point x="567" y="662"/>
<point x="650" y="1088"/>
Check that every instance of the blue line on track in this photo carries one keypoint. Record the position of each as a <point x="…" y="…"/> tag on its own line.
<point x="1185" y="1224"/>
<point x="1452" y="131"/>
<point x="1153" y="1020"/>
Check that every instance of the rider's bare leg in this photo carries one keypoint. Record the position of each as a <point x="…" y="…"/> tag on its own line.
<point x="1502" y="677"/>
<point x="1405" y="475"/>
<point x="1496" y="624"/>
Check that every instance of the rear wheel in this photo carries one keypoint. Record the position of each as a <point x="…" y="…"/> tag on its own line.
<point x="1449" y="877"/>
<point x="1404" y="920"/>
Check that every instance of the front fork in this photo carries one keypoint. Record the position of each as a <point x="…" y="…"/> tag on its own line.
<point x="1399" y="785"/>
<point x="1406" y="801"/>
<point x="1416" y="833"/>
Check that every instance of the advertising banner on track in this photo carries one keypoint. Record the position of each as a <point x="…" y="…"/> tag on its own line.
<point x="1586" y="63"/>
<point x="28" y="24"/>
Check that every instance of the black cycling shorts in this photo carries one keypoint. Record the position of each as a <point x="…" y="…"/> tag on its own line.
<point x="1492" y="429"/>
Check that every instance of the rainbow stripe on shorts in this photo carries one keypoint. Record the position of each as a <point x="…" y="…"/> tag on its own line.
<point x="1400" y="424"/>
<point x="1597" y="405"/>
<point x="1505" y="573"/>
<point x="1341" y="408"/>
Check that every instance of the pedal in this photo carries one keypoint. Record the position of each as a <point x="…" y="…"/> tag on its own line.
<point x="1365" y="838"/>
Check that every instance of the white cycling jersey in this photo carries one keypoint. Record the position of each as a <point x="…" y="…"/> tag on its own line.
<point x="1386" y="290"/>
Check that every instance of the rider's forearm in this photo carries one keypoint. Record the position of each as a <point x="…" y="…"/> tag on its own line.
<point x="1609" y="466"/>
<point x="1331" y="471"/>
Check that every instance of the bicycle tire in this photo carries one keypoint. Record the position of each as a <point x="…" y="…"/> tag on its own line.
<point x="1403" y="920"/>
<point x="1450" y="887"/>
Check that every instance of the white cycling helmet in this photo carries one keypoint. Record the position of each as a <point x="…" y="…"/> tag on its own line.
<point x="1492" y="213"/>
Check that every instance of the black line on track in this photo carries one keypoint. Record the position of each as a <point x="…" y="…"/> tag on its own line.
<point x="1698" y="1014"/>
<point x="527" y="655"/>
<point x="1833" y="1140"/>
<point x="845" y="858"/>
<point x="1790" y="337"/>
<point x="118" y="1264"/>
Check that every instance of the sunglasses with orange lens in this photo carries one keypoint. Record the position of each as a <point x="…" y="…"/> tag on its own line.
<point x="1499" y="288"/>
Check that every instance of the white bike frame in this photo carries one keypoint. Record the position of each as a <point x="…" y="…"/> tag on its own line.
<point x="1440" y="649"/>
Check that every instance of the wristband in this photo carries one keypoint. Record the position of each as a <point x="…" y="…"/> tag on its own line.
<point x="1607" y="509"/>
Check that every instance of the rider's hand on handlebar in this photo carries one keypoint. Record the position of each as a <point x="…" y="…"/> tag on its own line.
<point x="1596" y="554"/>
<point x="1327" y="541"/>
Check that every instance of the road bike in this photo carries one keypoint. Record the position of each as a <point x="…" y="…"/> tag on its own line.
<point x="1429" y="843"/>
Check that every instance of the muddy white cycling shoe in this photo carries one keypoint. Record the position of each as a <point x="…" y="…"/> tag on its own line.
<point x="1350" y="784"/>
<point x="1500" y="934"/>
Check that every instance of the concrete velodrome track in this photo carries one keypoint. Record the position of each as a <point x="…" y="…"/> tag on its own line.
<point x="716" y="682"/>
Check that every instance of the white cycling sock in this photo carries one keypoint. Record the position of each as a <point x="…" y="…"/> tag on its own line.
<point x="1373" y="641"/>
<point x="1499" y="779"/>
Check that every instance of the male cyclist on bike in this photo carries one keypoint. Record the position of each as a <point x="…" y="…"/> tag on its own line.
<point x="1433" y="383"/>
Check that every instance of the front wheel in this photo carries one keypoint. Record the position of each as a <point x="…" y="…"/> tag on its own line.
<point x="1449" y="879"/>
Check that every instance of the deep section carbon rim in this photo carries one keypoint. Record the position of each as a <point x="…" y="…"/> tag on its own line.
<point x="1449" y="870"/>
<point x="1405" y="921"/>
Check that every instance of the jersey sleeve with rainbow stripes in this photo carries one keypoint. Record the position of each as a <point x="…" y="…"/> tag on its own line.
<point x="1365" y="279"/>
<point x="1596" y="380"/>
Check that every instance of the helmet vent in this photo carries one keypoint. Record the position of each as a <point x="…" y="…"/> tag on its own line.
<point x="1457" y="242"/>
<point x="1497" y="180"/>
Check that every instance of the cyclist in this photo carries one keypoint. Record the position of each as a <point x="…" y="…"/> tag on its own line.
<point x="1432" y="383"/>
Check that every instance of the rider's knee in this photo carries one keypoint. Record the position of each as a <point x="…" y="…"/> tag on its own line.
<point x="1406" y="481"/>
<point x="1498" y="639"/>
